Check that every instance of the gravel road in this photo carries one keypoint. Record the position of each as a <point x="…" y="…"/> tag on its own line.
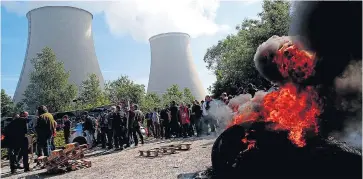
<point x="128" y="164"/>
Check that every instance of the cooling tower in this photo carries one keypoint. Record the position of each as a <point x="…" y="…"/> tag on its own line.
<point x="172" y="63"/>
<point x="68" y="32"/>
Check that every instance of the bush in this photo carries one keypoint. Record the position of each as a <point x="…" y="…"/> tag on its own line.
<point x="59" y="139"/>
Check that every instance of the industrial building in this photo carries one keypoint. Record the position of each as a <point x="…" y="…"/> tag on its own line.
<point x="172" y="63"/>
<point x="68" y="32"/>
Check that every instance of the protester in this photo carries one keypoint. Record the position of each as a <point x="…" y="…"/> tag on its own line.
<point x="191" y="119"/>
<point x="156" y="123"/>
<point x="103" y="124"/>
<point x="149" y="124"/>
<point x="174" y="122"/>
<point x="66" y="128"/>
<point x="88" y="128"/>
<point x="130" y="123"/>
<point x="124" y="113"/>
<point x="15" y="134"/>
<point x="184" y="119"/>
<point x="118" y="128"/>
<point x="138" y="117"/>
<point x="197" y="115"/>
<point x="165" y="124"/>
<point x="110" y="133"/>
<point x="45" y="130"/>
<point x="207" y="118"/>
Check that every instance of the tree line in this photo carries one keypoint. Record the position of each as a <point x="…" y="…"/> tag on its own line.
<point x="49" y="86"/>
<point x="231" y="59"/>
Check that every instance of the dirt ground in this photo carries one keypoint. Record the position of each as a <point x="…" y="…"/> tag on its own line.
<point x="128" y="163"/>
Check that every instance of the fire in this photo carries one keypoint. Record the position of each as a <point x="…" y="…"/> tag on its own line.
<point x="241" y="118"/>
<point x="2" y="137"/>
<point x="295" y="63"/>
<point x="292" y="108"/>
<point x="250" y="143"/>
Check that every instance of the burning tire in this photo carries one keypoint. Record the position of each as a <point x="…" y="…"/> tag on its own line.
<point x="274" y="155"/>
<point x="226" y="149"/>
<point x="80" y="140"/>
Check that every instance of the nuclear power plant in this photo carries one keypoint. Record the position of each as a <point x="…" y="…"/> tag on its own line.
<point x="172" y="63"/>
<point x="68" y="32"/>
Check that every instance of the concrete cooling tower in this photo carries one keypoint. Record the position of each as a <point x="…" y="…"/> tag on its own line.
<point x="172" y="63"/>
<point x="68" y="32"/>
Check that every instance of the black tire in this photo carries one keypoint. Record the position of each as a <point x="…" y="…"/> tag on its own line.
<point x="226" y="148"/>
<point x="80" y="140"/>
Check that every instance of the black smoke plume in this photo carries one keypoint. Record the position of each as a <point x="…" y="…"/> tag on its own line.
<point x="331" y="29"/>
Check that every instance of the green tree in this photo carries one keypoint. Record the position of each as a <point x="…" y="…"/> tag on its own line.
<point x="150" y="101"/>
<point x="91" y="94"/>
<point x="188" y="97"/>
<point x="7" y="105"/>
<point x="172" y="94"/>
<point x="124" y="89"/>
<point x="19" y="107"/>
<point x="49" y="84"/>
<point x="231" y="59"/>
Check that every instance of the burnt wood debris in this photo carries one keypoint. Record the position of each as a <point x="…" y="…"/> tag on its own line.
<point x="68" y="159"/>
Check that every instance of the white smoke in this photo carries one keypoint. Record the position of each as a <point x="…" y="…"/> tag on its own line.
<point x="144" y="18"/>
<point x="352" y="133"/>
<point x="221" y="113"/>
<point x="245" y="104"/>
<point x="349" y="88"/>
<point x="351" y="80"/>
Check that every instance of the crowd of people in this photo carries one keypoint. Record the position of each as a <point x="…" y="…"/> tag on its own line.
<point x="17" y="142"/>
<point x="118" y="127"/>
<point x="183" y="120"/>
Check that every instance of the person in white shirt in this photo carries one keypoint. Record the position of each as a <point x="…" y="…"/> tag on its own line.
<point x="207" y="118"/>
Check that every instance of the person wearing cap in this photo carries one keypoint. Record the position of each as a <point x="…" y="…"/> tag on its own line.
<point x="15" y="133"/>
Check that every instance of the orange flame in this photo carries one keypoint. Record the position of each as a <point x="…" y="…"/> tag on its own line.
<point x="293" y="62"/>
<point x="293" y="110"/>
<point x="250" y="143"/>
<point x="290" y="108"/>
<point x="2" y="137"/>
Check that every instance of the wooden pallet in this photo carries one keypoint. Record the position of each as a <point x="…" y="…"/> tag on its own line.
<point x="182" y="147"/>
<point x="164" y="150"/>
<point x="149" y="153"/>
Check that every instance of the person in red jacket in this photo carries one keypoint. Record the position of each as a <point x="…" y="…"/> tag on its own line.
<point x="184" y="119"/>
